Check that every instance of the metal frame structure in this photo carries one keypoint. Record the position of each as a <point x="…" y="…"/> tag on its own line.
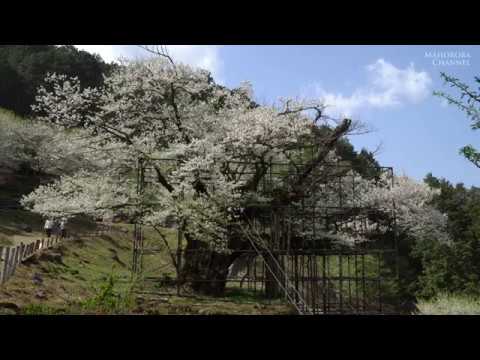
<point x="313" y="273"/>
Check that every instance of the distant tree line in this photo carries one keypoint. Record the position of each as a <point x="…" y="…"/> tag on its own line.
<point x="23" y="68"/>
<point x="453" y="267"/>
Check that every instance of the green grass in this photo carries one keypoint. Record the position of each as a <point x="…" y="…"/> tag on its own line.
<point x="94" y="277"/>
<point x="107" y="299"/>
<point x="90" y="280"/>
<point x="448" y="304"/>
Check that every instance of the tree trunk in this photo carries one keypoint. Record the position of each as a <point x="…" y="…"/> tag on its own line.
<point x="204" y="269"/>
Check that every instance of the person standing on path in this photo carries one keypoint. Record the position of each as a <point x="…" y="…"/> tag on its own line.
<point x="48" y="227"/>
<point x="63" y="230"/>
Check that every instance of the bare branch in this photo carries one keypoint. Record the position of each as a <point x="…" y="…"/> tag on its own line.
<point x="317" y="109"/>
<point x="359" y="128"/>
<point x="159" y="51"/>
<point x="378" y="149"/>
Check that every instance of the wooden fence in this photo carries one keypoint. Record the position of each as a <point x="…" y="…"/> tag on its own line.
<point x="12" y="256"/>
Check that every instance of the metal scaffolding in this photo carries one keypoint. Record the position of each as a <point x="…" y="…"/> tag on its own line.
<point x="293" y="249"/>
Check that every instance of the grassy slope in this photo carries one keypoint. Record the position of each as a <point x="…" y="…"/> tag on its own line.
<point x="73" y="272"/>
<point x="69" y="272"/>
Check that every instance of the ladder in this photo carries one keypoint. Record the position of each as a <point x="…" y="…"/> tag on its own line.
<point x="292" y="295"/>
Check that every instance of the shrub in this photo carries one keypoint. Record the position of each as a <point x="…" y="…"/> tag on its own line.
<point x="108" y="299"/>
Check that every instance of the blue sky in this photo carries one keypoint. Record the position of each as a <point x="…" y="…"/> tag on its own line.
<point x="387" y="87"/>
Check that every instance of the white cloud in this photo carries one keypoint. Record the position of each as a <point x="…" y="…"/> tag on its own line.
<point x="387" y="86"/>
<point x="204" y="56"/>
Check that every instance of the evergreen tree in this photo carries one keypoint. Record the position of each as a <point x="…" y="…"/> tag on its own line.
<point x="453" y="267"/>
<point x="24" y="67"/>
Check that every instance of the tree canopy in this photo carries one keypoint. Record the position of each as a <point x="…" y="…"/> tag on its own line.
<point x="207" y="151"/>
<point x="151" y="110"/>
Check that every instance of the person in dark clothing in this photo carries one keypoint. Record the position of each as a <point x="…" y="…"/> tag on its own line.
<point x="63" y="229"/>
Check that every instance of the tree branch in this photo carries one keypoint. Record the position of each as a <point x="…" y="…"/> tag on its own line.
<point x="163" y="52"/>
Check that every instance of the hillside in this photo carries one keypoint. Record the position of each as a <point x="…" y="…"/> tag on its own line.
<point x="91" y="275"/>
<point x="23" y="69"/>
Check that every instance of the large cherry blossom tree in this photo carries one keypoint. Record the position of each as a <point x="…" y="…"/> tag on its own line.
<point x="220" y="146"/>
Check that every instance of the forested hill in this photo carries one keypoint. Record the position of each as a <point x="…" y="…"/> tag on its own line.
<point x="23" y="69"/>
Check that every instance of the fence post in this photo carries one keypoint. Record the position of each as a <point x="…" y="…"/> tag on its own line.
<point x="5" y="264"/>
<point x="1" y="264"/>
<point x="13" y="260"/>
<point x="22" y="252"/>
<point x="18" y="257"/>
